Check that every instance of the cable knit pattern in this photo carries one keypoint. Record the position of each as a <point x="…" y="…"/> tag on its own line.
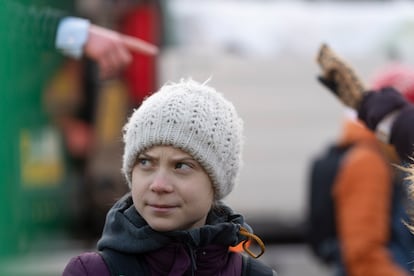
<point x="195" y="118"/>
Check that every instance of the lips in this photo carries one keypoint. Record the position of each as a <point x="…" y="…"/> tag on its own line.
<point x="162" y="207"/>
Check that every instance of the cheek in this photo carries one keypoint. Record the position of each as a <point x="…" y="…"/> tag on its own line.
<point x="137" y="185"/>
<point x="135" y="192"/>
<point x="136" y="178"/>
<point x="205" y="192"/>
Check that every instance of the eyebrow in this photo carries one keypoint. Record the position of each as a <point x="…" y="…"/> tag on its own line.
<point x="179" y="158"/>
<point x="143" y="154"/>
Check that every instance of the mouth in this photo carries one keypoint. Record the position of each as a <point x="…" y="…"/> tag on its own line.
<point x="162" y="207"/>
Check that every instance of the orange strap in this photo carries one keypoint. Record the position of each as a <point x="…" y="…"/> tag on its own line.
<point x="250" y="236"/>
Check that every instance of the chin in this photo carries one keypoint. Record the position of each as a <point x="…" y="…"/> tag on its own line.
<point x="161" y="227"/>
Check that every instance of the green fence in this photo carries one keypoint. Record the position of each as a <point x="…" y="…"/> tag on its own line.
<point x="33" y="167"/>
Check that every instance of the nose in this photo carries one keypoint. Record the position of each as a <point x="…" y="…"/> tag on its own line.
<point x="161" y="183"/>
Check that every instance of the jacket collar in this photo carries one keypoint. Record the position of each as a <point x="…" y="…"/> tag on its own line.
<point x="126" y="231"/>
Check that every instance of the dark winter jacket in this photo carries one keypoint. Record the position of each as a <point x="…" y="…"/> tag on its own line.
<point x="200" y="251"/>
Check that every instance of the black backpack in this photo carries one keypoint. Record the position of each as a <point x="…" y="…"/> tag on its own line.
<point x="121" y="264"/>
<point x="321" y="229"/>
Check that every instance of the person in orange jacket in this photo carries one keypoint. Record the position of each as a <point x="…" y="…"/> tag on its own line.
<point x="369" y="196"/>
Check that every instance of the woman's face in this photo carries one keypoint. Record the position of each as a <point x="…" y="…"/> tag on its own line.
<point x="170" y="189"/>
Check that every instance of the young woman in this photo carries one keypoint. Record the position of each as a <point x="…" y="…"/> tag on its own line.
<point x="182" y="156"/>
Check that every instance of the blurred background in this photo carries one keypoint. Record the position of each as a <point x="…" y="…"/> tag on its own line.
<point x="60" y="151"/>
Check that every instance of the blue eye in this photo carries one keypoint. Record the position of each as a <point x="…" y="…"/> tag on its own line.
<point x="182" y="166"/>
<point x="143" y="162"/>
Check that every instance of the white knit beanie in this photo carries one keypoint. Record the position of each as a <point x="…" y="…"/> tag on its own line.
<point x="194" y="118"/>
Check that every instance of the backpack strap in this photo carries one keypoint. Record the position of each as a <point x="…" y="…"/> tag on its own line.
<point x="253" y="267"/>
<point x="121" y="264"/>
<point x="320" y="233"/>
